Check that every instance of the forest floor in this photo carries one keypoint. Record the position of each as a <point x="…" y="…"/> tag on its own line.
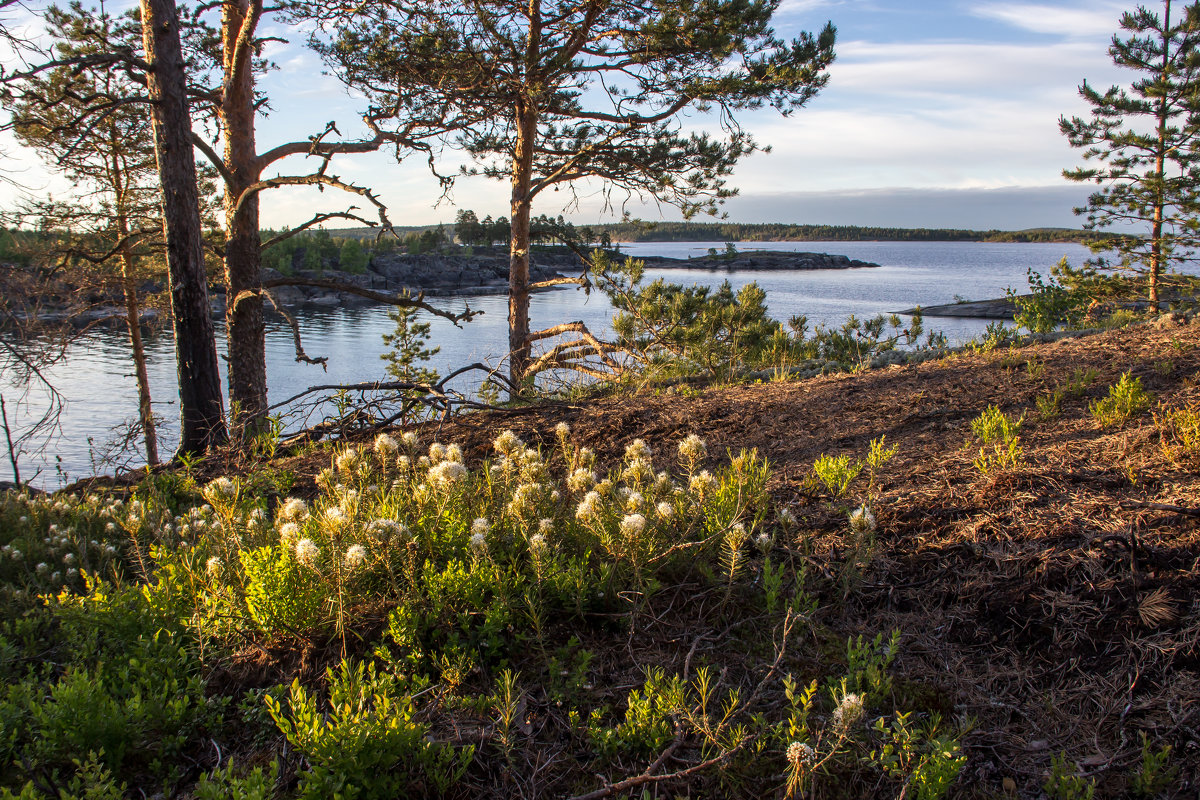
<point x="1055" y="606"/>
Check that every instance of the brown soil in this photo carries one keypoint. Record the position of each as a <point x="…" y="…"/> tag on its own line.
<point x="1054" y="605"/>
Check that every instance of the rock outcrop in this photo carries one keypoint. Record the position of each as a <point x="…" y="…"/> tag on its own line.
<point x="434" y="274"/>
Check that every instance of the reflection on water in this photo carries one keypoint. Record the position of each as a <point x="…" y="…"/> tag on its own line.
<point x="99" y="388"/>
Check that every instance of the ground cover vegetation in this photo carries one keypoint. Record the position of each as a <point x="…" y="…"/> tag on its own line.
<point x="599" y="602"/>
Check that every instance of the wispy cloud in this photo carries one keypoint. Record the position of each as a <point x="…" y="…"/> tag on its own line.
<point x="1092" y="19"/>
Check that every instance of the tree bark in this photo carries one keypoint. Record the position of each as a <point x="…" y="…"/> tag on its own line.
<point x="200" y="402"/>
<point x="243" y="246"/>
<point x="133" y="322"/>
<point x="518" y="266"/>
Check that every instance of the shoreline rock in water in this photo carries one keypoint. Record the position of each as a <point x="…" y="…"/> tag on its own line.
<point x="1000" y="308"/>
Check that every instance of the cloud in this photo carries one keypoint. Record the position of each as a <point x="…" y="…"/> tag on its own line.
<point x="1006" y="208"/>
<point x="1094" y="19"/>
<point x="801" y="6"/>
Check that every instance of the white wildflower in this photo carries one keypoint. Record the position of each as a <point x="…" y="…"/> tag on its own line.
<point x="410" y="439"/>
<point x="72" y="574"/>
<point x="447" y="473"/>
<point x="423" y="462"/>
<point x="213" y="567"/>
<point x="639" y="471"/>
<point x="545" y="526"/>
<point x="637" y="450"/>
<point x="356" y="556"/>
<point x="437" y="453"/>
<point x="306" y="551"/>
<point x="604" y="488"/>
<point x="562" y="430"/>
<point x="692" y="449"/>
<point x="347" y="460"/>
<point x="507" y="443"/>
<point x="538" y="543"/>
<point x="862" y="520"/>
<point x="847" y="712"/>
<point x="786" y="518"/>
<point x="16" y="555"/>
<point x="524" y="499"/>
<point x="220" y="491"/>
<point x="586" y="457"/>
<point x="293" y="509"/>
<point x="335" y="517"/>
<point x="42" y="568"/>
<point x="589" y="507"/>
<point x="288" y="533"/>
<point x="385" y="446"/>
<point x="801" y="755"/>
<point x="403" y="464"/>
<point x="634" y="502"/>
<point x="480" y="527"/>
<point x="702" y="484"/>
<point x="664" y="510"/>
<point x="478" y="541"/>
<point x="763" y="542"/>
<point x="632" y="525"/>
<point x="385" y="530"/>
<point x="454" y="453"/>
<point x="68" y="559"/>
<point x="581" y="480"/>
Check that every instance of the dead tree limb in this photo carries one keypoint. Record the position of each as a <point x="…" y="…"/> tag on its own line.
<point x="402" y="300"/>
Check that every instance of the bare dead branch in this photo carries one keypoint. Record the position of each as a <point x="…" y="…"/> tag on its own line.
<point x="400" y="300"/>
<point x="317" y="220"/>
<point x="301" y="356"/>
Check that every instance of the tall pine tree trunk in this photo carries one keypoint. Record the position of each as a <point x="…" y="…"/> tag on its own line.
<point x="243" y="245"/>
<point x="200" y="402"/>
<point x="1160" y="172"/>
<point x="133" y="321"/>
<point x="518" y="268"/>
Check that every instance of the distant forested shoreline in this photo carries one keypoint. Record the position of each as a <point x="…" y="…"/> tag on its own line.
<point x="636" y="231"/>
<point x="784" y="232"/>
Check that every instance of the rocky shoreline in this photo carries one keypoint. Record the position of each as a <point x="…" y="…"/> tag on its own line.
<point x="442" y="275"/>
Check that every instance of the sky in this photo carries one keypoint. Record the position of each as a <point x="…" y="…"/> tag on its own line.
<point x="938" y="113"/>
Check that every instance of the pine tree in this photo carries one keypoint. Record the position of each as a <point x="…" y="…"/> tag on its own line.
<point x="544" y="93"/>
<point x="1146" y="142"/>
<point x="111" y="163"/>
<point x="408" y="354"/>
<point x="352" y="257"/>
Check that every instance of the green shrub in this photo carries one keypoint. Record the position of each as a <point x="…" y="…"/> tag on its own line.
<point x="1155" y="773"/>
<point x="369" y="743"/>
<point x="1064" y="784"/>
<point x="1126" y="399"/>
<point x="993" y="425"/>
<point x="837" y="473"/>
<point x="282" y="595"/>
<point x="1000" y="449"/>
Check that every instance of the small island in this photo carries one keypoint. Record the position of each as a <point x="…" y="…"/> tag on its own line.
<point x="758" y="260"/>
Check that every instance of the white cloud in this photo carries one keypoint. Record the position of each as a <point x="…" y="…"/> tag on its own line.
<point x="1093" y="19"/>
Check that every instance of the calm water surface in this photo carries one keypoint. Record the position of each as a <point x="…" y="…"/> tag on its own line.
<point x="99" y="388"/>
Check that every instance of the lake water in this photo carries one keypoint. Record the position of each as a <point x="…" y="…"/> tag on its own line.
<point x="100" y="393"/>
